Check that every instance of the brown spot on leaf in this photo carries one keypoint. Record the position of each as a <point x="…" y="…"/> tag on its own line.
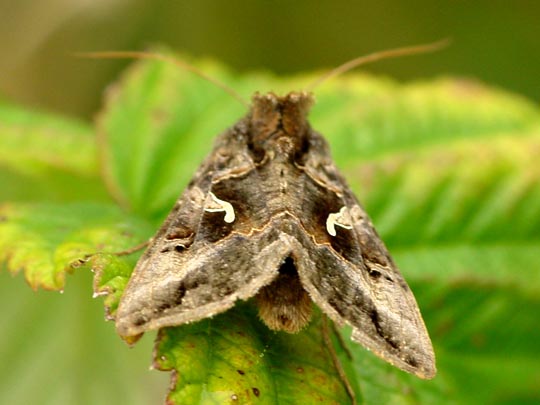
<point x="256" y="391"/>
<point x="241" y="372"/>
<point x="299" y="370"/>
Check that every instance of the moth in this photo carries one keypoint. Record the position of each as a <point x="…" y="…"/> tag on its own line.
<point x="268" y="216"/>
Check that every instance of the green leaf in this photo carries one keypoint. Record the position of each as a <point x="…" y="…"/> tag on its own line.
<point x="43" y="157"/>
<point x="484" y="333"/>
<point x="48" y="240"/>
<point x="153" y="136"/>
<point x="366" y="119"/>
<point x="240" y="361"/>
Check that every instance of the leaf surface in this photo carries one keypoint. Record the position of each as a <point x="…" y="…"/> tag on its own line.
<point x="47" y="158"/>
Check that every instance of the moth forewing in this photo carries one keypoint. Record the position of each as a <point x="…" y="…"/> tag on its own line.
<point x="268" y="215"/>
<point x="401" y="336"/>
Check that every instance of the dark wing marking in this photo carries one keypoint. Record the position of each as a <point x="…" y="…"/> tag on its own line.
<point x="185" y="274"/>
<point x="353" y="279"/>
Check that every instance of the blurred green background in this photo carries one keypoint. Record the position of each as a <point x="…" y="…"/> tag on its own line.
<point x="495" y="41"/>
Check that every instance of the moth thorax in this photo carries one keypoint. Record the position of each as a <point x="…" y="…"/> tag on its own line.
<point x="289" y="149"/>
<point x="284" y="304"/>
<point x="278" y="125"/>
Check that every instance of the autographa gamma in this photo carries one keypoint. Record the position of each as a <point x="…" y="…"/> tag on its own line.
<point x="268" y="216"/>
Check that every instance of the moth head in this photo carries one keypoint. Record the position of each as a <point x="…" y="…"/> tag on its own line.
<point x="279" y="124"/>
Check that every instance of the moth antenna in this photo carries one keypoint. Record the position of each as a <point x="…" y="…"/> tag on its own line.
<point x="377" y="56"/>
<point x="157" y="56"/>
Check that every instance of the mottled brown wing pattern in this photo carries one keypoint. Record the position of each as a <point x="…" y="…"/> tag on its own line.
<point x="268" y="215"/>
<point x="355" y="281"/>
<point x="184" y="276"/>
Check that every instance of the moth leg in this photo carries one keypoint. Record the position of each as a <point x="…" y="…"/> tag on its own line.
<point x="335" y="359"/>
<point x="342" y="343"/>
<point x="133" y="249"/>
<point x="126" y="252"/>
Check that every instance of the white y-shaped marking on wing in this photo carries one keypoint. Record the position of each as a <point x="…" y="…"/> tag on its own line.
<point x="222" y="206"/>
<point x="340" y="218"/>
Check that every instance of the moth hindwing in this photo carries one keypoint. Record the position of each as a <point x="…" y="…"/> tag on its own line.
<point x="267" y="215"/>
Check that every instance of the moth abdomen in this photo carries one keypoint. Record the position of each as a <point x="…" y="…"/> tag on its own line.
<point x="284" y="304"/>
